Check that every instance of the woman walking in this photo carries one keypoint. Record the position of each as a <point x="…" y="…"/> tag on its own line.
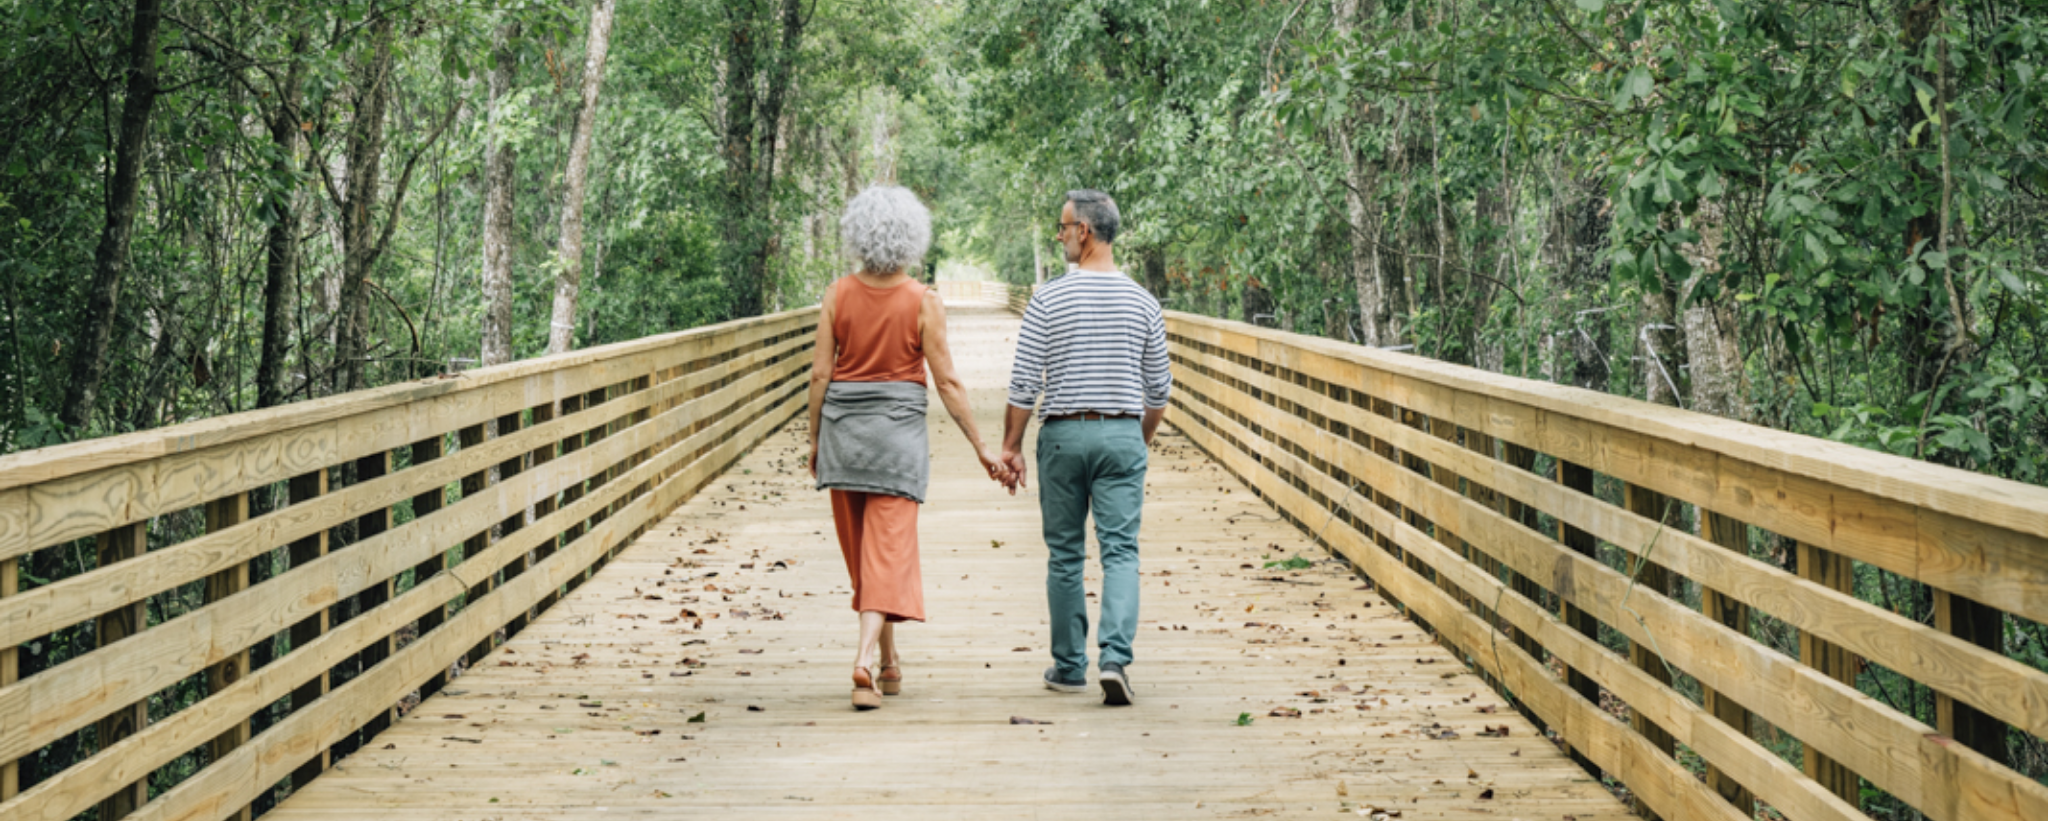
<point x="879" y="331"/>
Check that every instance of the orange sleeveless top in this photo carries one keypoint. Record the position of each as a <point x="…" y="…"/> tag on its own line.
<point x="877" y="332"/>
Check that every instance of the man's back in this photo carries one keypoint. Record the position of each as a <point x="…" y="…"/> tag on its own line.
<point x="1092" y="341"/>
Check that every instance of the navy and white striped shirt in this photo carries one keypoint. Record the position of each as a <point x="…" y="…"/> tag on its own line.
<point x="1092" y="341"/>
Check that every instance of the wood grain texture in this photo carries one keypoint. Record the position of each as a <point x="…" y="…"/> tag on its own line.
<point x="10" y="671"/>
<point x="516" y="384"/>
<point x="84" y="596"/>
<point x="1653" y="777"/>
<point x="65" y="698"/>
<point x="2000" y="560"/>
<point x="75" y="788"/>
<point x="121" y="544"/>
<point x="237" y="777"/>
<point x="1988" y="500"/>
<point x="2001" y="686"/>
<point x="1836" y="571"/>
<point x="1732" y="535"/>
<point x="1747" y="760"/>
<point x="1810" y="705"/>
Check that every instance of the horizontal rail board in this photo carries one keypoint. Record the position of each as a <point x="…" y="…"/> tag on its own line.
<point x="1982" y="499"/>
<point x="274" y="443"/>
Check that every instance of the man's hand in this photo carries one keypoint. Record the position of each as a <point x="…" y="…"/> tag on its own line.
<point x="1150" y="424"/>
<point x="814" y="460"/>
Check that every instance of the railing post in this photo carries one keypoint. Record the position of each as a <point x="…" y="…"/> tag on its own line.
<point x="1983" y="626"/>
<point x="423" y="505"/>
<point x="370" y="524"/>
<point x="1655" y="579"/>
<point x="1443" y="429"/>
<point x="473" y="484"/>
<point x="1837" y="571"/>
<point x="220" y="515"/>
<point x="570" y="405"/>
<point x="303" y="489"/>
<point x="1734" y="615"/>
<point x="508" y="425"/>
<point x="543" y="414"/>
<point x="1524" y="459"/>
<point x="1579" y="478"/>
<point x="117" y="545"/>
<point x="10" y="670"/>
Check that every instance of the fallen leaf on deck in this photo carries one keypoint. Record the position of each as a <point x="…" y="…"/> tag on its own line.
<point x="1023" y="720"/>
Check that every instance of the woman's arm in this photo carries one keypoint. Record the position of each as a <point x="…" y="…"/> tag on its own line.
<point x="824" y="353"/>
<point x="931" y="320"/>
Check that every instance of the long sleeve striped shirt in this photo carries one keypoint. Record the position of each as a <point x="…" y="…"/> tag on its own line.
<point x="1092" y="341"/>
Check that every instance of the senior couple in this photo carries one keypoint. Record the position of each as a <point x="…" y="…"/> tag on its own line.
<point x="1091" y="362"/>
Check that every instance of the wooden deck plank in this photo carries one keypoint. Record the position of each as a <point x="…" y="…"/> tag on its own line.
<point x="590" y="706"/>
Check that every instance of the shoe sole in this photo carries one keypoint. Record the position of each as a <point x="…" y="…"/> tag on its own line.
<point x="1065" y="688"/>
<point x="1116" y="692"/>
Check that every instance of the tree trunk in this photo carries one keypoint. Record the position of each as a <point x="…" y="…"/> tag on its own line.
<point x="163" y="358"/>
<point x="1489" y="263"/>
<point x="753" y="111"/>
<point x="1156" y="281"/>
<point x="1922" y="337"/>
<point x="562" y="328"/>
<point x="1257" y="306"/>
<point x="1713" y="347"/>
<point x="358" y="224"/>
<point x="281" y="239"/>
<point x="1361" y="206"/>
<point x="500" y="163"/>
<point x="1578" y="227"/>
<point x="1662" y="358"/>
<point x="110" y="258"/>
<point x="738" y="232"/>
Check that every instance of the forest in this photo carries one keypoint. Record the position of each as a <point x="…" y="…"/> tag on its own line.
<point x="1821" y="216"/>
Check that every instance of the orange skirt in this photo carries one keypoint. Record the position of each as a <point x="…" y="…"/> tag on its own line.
<point x="878" y="535"/>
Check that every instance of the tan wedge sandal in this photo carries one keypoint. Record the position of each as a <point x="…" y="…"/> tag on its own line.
<point x="892" y="680"/>
<point x="865" y="696"/>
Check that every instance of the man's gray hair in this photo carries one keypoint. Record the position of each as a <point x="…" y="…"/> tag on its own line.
<point x="1098" y="211"/>
<point x="886" y="228"/>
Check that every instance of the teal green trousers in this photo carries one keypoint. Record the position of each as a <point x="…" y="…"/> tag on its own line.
<point x="1093" y="466"/>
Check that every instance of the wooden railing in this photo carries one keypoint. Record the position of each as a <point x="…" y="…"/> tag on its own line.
<point x="995" y="292"/>
<point x="1523" y="522"/>
<point x="263" y="592"/>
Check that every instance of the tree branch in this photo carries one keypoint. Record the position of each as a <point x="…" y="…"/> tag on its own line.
<point x="405" y="181"/>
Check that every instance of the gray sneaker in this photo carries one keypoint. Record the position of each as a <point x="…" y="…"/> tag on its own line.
<point x="1116" y="685"/>
<point x="1053" y="681"/>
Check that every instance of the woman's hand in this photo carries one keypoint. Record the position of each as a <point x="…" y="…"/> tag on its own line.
<point x="995" y="466"/>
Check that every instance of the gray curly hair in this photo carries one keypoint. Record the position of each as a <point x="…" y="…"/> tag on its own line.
<point x="886" y="228"/>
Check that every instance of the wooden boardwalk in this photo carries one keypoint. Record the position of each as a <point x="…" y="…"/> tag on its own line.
<point x="705" y="671"/>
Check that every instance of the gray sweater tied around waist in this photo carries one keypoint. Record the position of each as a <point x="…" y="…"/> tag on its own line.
<point x="871" y="438"/>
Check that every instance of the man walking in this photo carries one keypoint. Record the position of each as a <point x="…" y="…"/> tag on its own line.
<point x="1094" y="346"/>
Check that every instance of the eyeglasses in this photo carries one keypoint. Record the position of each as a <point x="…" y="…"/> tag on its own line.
<point x="1060" y="228"/>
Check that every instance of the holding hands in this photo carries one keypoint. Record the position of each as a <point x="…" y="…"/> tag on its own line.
<point x="999" y="468"/>
<point x="1014" y="466"/>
